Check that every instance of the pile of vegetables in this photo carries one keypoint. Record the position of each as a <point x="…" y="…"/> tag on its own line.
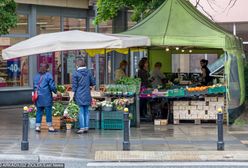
<point x="130" y="82"/>
<point x="122" y="103"/>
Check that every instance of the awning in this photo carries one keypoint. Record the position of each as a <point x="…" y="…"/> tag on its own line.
<point x="72" y="40"/>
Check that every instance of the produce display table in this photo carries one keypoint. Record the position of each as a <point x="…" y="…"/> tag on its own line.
<point x="192" y="105"/>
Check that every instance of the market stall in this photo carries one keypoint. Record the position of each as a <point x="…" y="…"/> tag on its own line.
<point x="109" y="100"/>
<point x="182" y="29"/>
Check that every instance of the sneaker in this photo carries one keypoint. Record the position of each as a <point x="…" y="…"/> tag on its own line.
<point x="37" y="129"/>
<point x="51" y="129"/>
<point x="81" y="131"/>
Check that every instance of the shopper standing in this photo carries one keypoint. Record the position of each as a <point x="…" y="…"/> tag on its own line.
<point x="121" y="71"/>
<point x="44" y="84"/>
<point x="82" y="79"/>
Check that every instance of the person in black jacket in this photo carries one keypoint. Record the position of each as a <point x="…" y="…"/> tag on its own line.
<point x="143" y="73"/>
<point x="206" y="78"/>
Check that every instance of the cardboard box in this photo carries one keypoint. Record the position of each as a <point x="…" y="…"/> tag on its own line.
<point x="192" y="107"/>
<point x="213" y="99"/>
<point x="176" y="116"/>
<point x="163" y="122"/>
<point x="175" y="107"/>
<point x="182" y="116"/>
<point x="221" y="99"/>
<point x="157" y="122"/>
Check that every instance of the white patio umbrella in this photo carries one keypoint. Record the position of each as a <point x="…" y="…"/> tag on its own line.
<point x="72" y="40"/>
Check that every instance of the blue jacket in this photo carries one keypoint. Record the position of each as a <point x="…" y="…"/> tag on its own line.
<point x="45" y="89"/>
<point x="82" y="79"/>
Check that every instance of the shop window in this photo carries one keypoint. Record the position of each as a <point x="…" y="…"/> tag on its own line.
<point x="74" y="24"/>
<point x="227" y="26"/>
<point x="21" y="26"/>
<point x="190" y="63"/>
<point x="14" y="72"/>
<point x="47" y="24"/>
<point x="242" y="31"/>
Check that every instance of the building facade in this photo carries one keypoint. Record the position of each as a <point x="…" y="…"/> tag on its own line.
<point x="37" y="17"/>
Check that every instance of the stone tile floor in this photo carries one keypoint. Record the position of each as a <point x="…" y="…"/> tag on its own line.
<point x="184" y="137"/>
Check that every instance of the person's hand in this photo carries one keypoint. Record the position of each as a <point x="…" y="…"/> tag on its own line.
<point x="54" y="95"/>
<point x="59" y="93"/>
<point x="71" y="94"/>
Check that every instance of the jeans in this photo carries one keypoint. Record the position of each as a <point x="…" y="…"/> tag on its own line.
<point x="84" y="117"/>
<point x="39" y="114"/>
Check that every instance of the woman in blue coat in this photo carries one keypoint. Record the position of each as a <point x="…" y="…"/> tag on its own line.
<point x="44" y="84"/>
<point x="82" y="79"/>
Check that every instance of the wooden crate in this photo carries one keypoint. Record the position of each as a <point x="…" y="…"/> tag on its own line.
<point x="55" y="120"/>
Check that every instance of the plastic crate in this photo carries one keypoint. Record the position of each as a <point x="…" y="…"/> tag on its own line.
<point x="176" y="93"/>
<point x="115" y="124"/>
<point x="93" y="124"/>
<point x="216" y="90"/>
<point x="112" y="115"/>
<point x="95" y="115"/>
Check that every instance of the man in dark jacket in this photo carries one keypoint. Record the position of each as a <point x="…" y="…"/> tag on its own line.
<point x="44" y="84"/>
<point x="82" y="79"/>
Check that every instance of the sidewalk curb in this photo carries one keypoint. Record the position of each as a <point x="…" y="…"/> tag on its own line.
<point x="144" y="156"/>
<point x="38" y="158"/>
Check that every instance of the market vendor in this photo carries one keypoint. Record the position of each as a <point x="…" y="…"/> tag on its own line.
<point x="121" y="71"/>
<point x="143" y="73"/>
<point x="157" y="76"/>
<point x="206" y="78"/>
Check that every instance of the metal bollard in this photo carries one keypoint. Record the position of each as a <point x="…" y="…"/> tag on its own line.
<point x="126" y="142"/>
<point x="220" y="143"/>
<point x="25" y="143"/>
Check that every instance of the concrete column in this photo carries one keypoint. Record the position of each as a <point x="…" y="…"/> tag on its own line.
<point x="32" y="32"/>
<point x="62" y="53"/>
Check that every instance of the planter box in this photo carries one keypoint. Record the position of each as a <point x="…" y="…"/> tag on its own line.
<point x="55" y="120"/>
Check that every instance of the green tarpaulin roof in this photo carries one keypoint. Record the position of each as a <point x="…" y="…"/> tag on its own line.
<point x="179" y="23"/>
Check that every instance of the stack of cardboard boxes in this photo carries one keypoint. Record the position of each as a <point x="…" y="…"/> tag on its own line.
<point x="198" y="110"/>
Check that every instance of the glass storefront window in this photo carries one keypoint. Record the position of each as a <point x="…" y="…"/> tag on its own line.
<point x="104" y="27"/>
<point x="22" y="25"/>
<point x="47" y="24"/>
<point x="242" y="31"/>
<point x="14" y="72"/>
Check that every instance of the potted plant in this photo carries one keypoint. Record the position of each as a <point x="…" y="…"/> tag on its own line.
<point x="32" y="115"/>
<point x="71" y="115"/>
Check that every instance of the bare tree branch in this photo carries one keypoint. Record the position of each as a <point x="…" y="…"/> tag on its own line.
<point x="197" y="3"/>
<point x="206" y="12"/>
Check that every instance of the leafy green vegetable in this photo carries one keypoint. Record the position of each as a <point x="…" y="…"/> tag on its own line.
<point x="72" y="110"/>
<point x="58" y="109"/>
<point x="61" y="88"/>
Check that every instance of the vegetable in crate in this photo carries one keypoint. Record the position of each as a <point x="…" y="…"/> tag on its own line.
<point x="71" y="111"/>
<point x="61" y="88"/>
<point x="58" y="109"/>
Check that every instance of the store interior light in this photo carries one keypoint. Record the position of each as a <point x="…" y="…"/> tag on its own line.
<point x="182" y="50"/>
<point x="177" y="48"/>
<point x="167" y="49"/>
<point x="190" y="51"/>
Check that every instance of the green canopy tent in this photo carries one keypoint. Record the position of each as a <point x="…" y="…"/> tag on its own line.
<point x="179" y="23"/>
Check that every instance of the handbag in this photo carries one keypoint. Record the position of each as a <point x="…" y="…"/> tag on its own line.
<point x="35" y="93"/>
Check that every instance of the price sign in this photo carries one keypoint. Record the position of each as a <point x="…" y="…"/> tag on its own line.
<point x="14" y="67"/>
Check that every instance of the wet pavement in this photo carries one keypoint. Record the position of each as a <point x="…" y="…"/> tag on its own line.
<point x="184" y="137"/>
